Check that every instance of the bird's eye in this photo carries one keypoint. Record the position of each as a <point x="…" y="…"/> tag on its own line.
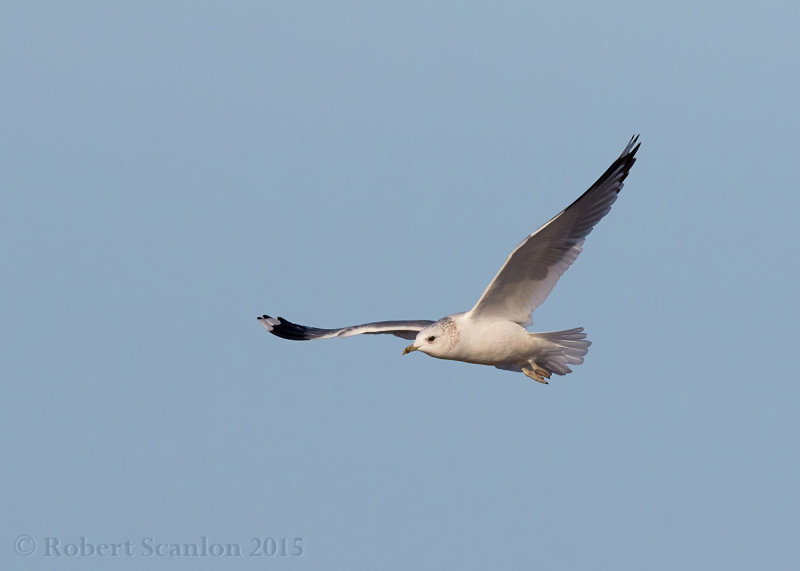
<point x="431" y="339"/>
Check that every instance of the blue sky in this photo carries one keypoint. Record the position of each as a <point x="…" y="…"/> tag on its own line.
<point x="169" y="171"/>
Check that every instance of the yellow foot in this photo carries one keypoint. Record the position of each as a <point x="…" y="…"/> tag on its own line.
<point x="537" y="374"/>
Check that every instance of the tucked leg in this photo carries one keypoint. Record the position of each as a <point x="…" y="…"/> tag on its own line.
<point x="537" y="373"/>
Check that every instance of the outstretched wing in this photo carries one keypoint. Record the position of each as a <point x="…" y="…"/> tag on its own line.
<point x="531" y="271"/>
<point x="288" y="330"/>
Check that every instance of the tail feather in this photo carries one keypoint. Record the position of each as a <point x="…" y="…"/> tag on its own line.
<point x="566" y="348"/>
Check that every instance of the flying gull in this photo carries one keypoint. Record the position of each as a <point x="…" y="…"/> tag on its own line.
<point x="494" y="331"/>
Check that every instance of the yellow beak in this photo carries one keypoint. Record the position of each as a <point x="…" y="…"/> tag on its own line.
<point x="409" y="349"/>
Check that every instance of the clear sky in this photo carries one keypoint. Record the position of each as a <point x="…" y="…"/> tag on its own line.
<point x="171" y="170"/>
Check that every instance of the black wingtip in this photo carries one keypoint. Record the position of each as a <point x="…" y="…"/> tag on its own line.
<point x="632" y="146"/>
<point x="618" y="170"/>
<point x="622" y="165"/>
<point x="288" y="330"/>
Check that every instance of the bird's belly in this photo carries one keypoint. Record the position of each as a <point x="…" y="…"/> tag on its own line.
<point x="495" y="343"/>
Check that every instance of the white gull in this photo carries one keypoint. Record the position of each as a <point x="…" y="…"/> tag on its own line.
<point x="494" y="331"/>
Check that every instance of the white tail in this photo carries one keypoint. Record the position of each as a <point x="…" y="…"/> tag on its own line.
<point x="563" y="348"/>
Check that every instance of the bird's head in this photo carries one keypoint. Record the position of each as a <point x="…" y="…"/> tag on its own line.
<point x="436" y="340"/>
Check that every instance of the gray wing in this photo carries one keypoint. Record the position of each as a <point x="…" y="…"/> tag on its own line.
<point x="532" y="270"/>
<point x="288" y="330"/>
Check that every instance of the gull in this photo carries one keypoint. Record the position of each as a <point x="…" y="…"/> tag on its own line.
<point x="494" y="332"/>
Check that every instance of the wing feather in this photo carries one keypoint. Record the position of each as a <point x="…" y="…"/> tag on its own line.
<point x="532" y="270"/>
<point x="287" y="330"/>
